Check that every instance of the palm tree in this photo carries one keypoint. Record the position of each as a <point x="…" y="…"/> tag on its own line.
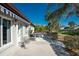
<point x="53" y="25"/>
<point x="66" y="9"/>
<point x="74" y="9"/>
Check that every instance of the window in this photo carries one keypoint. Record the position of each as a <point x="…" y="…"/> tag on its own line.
<point x="20" y="29"/>
<point x="16" y="17"/>
<point x="5" y="11"/>
<point x="9" y="13"/>
<point x="2" y="9"/>
<point x="12" y="14"/>
<point x="20" y="25"/>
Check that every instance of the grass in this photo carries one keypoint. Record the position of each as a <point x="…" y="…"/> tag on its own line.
<point x="69" y="32"/>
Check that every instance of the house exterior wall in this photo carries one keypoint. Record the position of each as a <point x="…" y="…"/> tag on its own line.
<point x="3" y="47"/>
<point x="16" y="33"/>
<point x="31" y="29"/>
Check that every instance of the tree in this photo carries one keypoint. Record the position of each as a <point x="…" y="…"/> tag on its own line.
<point x="68" y="9"/>
<point x="67" y="28"/>
<point x="71" y="24"/>
<point x="53" y="25"/>
<point x="63" y="9"/>
<point x="40" y="28"/>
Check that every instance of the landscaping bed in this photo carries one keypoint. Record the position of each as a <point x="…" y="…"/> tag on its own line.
<point x="70" y="41"/>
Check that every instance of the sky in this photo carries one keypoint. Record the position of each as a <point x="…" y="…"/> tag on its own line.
<point x="35" y="12"/>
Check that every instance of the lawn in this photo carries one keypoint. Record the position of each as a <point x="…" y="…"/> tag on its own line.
<point x="73" y="33"/>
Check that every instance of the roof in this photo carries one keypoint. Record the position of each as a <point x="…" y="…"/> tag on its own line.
<point x="14" y="10"/>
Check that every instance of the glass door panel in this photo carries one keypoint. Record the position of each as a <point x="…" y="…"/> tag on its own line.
<point x="6" y="31"/>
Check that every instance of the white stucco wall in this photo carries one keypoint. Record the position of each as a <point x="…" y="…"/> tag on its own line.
<point x="15" y="38"/>
<point x="32" y="28"/>
<point x="3" y="47"/>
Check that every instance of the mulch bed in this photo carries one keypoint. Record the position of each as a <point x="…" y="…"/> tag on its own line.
<point x="72" y="53"/>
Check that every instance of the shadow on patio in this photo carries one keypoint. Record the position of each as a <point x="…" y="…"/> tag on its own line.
<point x="56" y="45"/>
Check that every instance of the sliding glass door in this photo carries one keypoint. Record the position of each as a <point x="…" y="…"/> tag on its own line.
<point x="6" y="31"/>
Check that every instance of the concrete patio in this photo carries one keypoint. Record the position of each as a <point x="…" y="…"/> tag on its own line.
<point x="34" y="48"/>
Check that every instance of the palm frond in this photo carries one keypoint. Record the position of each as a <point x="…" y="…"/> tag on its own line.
<point x="58" y="12"/>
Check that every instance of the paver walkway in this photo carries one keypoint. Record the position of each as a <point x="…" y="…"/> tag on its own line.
<point x="34" y="48"/>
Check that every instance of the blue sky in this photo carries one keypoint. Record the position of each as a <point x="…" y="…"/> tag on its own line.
<point x="74" y="18"/>
<point x="36" y="13"/>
